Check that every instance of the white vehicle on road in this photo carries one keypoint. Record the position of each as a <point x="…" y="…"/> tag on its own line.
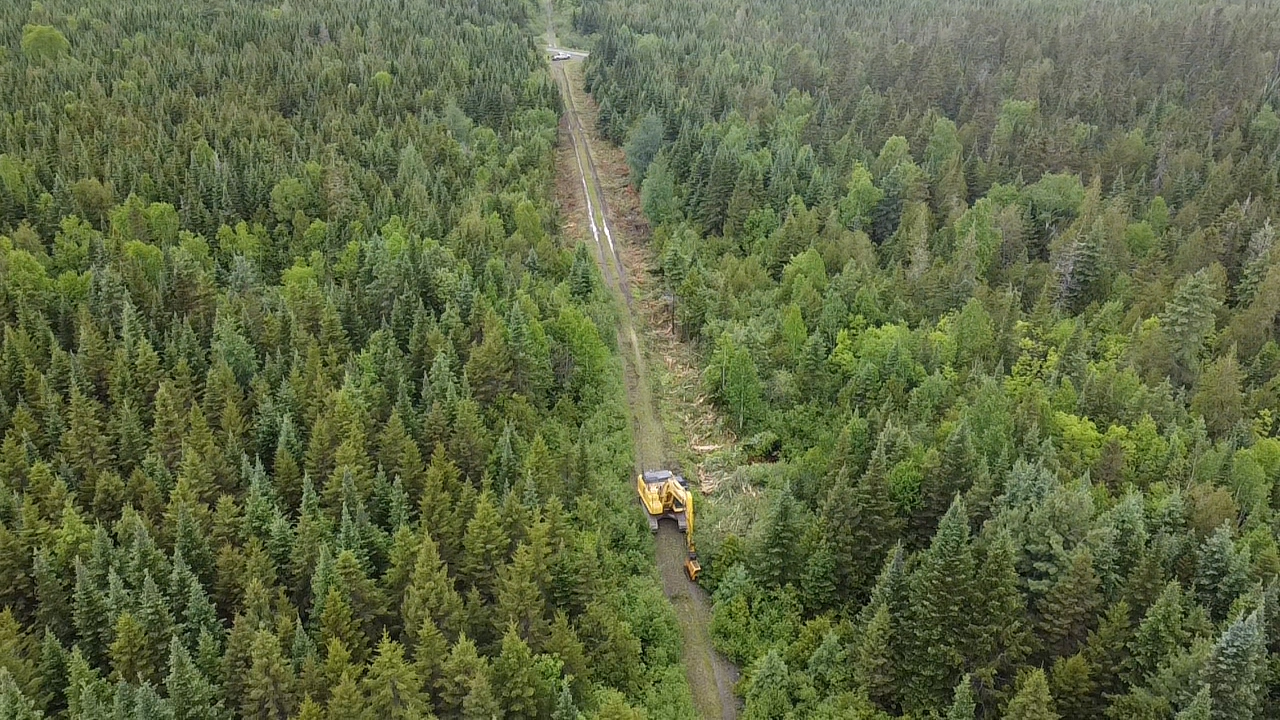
<point x="561" y="56"/>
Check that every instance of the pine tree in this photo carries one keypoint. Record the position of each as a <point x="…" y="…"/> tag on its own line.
<point x="1032" y="700"/>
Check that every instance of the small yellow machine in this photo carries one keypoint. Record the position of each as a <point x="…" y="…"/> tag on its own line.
<point x="666" y="496"/>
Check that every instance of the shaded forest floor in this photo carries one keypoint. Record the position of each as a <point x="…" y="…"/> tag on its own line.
<point x="598" y="206"/>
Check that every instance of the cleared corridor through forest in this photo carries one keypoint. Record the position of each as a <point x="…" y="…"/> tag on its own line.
<point x="711" y="677"/>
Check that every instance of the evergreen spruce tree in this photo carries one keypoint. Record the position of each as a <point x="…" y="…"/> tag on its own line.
<point x="439" y="508"/>
<point x="1032" y="700"/>
<point x="515" y="677"/>
<point x="1235" y="670"/>
<point x="775" y="561"/>
<point x="1001" y="638"/>
<point x="873" y="661"/>
<point x="1200" y="708"/>
<point x="859" y="525"/>
<point x="565" y="708"/>
<point x="1221" y="573"/>
<point x="954" y="472"/>
<point x="828" y="666"/>
<point x="769" y="695"/>
<point x="392" y="685"/>
<point x="484" y="546"/>
<point x="336" y="622"/>
<point x="1160" y="634"/>
<point x="941" y="591"/>
<point x="430" y="595"/>
<point x="190" y="694"/>
<point x="963" y="706"/>
<point x="1068" y="609"/>
<point x="818" y="582"/>
<point x="461" y="669"/>
<point x="520" y="600"/>
<point x="346" y="699"/>
<point x="130" y="657"/>
<point x="269" y="686"/>
<point x="1073" y="687"/>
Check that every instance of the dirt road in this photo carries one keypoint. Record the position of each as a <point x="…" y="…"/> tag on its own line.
<point x="711" y="676"/>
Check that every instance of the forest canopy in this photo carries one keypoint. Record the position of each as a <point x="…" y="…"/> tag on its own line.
<point x="988" y="293"/>
<point x="301" y="415"/>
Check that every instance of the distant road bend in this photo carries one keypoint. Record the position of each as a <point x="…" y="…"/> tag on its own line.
<point x="575" y="54"/>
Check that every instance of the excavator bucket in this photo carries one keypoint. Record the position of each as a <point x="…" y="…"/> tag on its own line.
<point x="692" y="567"/>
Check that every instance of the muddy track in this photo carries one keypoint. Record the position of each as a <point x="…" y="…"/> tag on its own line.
<point x="711" y="676"/>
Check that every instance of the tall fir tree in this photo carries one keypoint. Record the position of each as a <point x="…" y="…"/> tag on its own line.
<point x="941" y="592"/>
<point x="1236" y="670"/>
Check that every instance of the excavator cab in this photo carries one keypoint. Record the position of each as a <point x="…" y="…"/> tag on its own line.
<point x="665" y="496"/>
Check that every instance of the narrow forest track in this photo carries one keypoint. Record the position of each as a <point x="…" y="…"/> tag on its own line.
<point x="711" y="677"/>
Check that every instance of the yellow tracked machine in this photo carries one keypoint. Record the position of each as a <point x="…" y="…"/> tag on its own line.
<point x="665" y="496"/>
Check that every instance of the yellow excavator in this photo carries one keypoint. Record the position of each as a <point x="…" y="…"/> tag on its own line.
<point x="665" y="496"/>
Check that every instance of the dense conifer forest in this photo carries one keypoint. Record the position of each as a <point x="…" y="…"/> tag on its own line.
<point x="307" y="409"/>
<point x="988" y="293"/>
